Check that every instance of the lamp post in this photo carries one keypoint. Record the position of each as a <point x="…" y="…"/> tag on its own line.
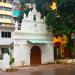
<point x="72" y="35"/>
<point x="57" y="46"/>
<point x="72" y="43"/>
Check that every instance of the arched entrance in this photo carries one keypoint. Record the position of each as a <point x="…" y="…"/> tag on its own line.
<point x="35" y="56"/>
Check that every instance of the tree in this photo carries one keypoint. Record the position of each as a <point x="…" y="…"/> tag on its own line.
<point x="62" y="19"/>
<point x="40" y="6"/>
<point x="23" y="9"/>
<point x="43" y="6"/>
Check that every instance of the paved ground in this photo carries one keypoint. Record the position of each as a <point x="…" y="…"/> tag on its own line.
<point x="52" y="69"/>
<point x="41" y="67"/>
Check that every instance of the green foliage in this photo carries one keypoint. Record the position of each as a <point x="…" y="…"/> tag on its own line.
<point x="11" y="60"/>
<point x="32" y="1"/>
<point x="66" y="9"/>
<point x="62" y="20"/>
<point x="6" y="51"/>
<point x="57" y="23"/>
<point x="23" y="9"/>
<point x="66" y="20"/>
<point x="20" y="17"/>
<point x="40" y="6"/>
<point x="45" y="9"/>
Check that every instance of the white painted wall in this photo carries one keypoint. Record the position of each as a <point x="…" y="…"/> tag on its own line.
<point x="47" y="53"/>
<point x="22" y="53"/>
<point x="6" y="42"/>
<point x="29" y="36"/>
<point x="19" y="51"/>
<point x="35" y="30"/>
<point x="28" y="24"/>
<point x="7" y="29"/>
<point x="33" y="27"/>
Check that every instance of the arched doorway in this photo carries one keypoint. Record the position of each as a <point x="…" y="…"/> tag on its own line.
<point x="35" y="56"/>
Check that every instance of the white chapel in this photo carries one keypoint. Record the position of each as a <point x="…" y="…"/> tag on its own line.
<point x="32" y="42"/>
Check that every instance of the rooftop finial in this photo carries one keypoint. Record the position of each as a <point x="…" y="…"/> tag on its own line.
<point x="34" y="6"/>
<point x="16" y="25"/>
<point x="24" y="15"/>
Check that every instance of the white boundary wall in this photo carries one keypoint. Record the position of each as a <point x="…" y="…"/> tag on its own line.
<point x="4" y="64"/>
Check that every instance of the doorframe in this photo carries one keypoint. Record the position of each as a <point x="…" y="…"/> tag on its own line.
<point x="31" y="53"/>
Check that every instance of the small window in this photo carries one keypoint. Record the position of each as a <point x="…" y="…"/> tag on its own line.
<point x="34" y="17"/>
<point x="3" y="50"/>
<point x="2" y="34"/>
<point x="9" y="34"/>
<point x="7" y="16"/>
<point x="6" y="34"/>
<point x="7" y="9"/>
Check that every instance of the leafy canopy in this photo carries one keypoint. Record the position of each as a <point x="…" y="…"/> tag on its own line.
<point x="62" y="19"/>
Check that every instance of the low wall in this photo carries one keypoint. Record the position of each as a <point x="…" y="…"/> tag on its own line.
<point x="4" y="64"/>
<point x="1" y="64"/>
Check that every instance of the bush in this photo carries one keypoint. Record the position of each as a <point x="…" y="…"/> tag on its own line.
<point x="11" y="60"/>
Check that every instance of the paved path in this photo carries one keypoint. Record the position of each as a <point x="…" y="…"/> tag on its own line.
<point x="51" y="69"/>
<point x="45" y="67"/>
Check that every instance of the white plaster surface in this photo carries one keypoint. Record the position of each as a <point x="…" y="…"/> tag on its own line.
<point x="32" y="30"/>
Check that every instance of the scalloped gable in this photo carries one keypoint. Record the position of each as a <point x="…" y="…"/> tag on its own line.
<point x="31" y="15"/>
